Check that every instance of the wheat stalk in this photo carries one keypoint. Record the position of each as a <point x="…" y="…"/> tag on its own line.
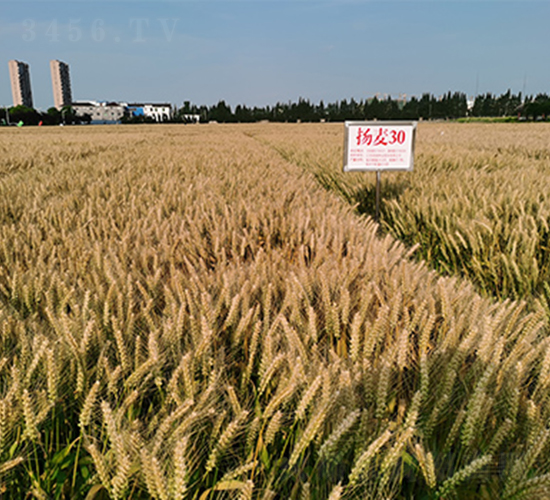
<point x="462" y="475"/>
<point x="361" y="464"/>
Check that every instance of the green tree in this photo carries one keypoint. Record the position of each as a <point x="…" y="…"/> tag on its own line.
<point x="221" y="113"/>
<point x="28" y="116"/>
<point x="52" y="116"/>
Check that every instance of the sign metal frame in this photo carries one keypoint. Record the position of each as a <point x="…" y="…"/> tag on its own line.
<point x="401" y="124"/>
<point x="377" y="125"/>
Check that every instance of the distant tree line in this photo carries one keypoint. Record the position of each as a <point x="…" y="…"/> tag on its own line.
<point x="427" y="107"/>
<point x="30" y="116"/>
<point x="449" y="106"/>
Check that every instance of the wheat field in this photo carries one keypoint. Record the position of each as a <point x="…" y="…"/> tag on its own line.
<point x="186" y="313"/>
<point x="477" y="204"/>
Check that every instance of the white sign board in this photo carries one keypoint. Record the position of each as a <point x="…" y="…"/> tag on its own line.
<point x="377" y="146"/>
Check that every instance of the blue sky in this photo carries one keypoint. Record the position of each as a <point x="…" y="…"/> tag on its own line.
<point x="258" y="52"/>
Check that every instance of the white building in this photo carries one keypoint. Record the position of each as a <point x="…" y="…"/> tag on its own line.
<point x="101" y="111"/>
<point x="192" y="118"/>
<point x="112" y="112"/>
<point x="158" y="112"/>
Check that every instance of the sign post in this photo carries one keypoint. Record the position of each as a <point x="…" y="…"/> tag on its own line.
<point x="373" y="146"/>
<point x="378" y="182"/>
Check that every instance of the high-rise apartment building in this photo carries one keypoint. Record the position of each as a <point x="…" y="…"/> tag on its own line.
<point x="20" y="83"/>
<point x="61" y="84"/>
